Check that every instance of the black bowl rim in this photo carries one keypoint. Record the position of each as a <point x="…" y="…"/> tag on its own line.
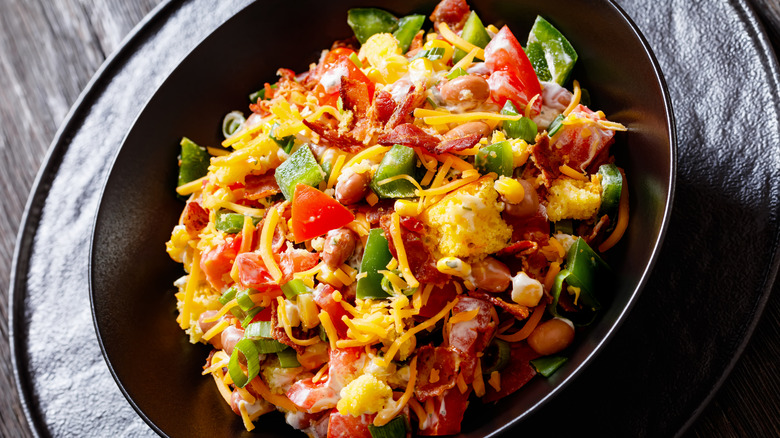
<point x="667" y="212"/>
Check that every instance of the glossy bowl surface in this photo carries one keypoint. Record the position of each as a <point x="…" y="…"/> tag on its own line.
<point x="131" y="289"/>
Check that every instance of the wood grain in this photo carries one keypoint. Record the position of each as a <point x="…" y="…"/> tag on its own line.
<point x="49" y="49"/>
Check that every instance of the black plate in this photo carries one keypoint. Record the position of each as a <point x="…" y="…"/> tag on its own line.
<point x="132" y="296"/>
<point x="686" y="331"/>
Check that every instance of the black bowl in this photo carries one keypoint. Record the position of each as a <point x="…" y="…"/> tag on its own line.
<point x="131" y="275"/>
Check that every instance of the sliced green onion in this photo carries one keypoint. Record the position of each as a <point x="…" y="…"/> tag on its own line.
<point x="431" y="102"/>
<point x="555" y="126"/>
<point x="288" y="358"/>
<point x="258" y="329"/>
<point x="285" y="143"/>
<point x="395" y="428"/>
<point x="323" y="333"/>
<point x="295" y="287"/>
<point x="260" y="94"/>
<point x="232" y="123"/>
<point x="501" y="357"/>
<point x="250" y="315"/>
<point x="245" y="300"/>
<point x="228" y="295"/>
<point x="355" y="60"/>
<point x="546" y="366"/>
<point x="248" y="349"/>
<point x="458" y="72"/>
<point x="267" y="346"/>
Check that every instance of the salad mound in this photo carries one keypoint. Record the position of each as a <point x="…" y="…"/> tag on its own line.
<point x="413" y="224"/>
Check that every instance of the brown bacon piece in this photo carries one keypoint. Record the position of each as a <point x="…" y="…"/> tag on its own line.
<point x="260" y="186"/>
<point x="546" y="159"/>
<point x="331" y="136"/>
<point x="374" y="213"/>
<point x="535" y="228"/>
<point x="595" y="233"/>
<point x="523" y="247"/>
<point x="447" y="414"/>
<point x="516" y="374"/>
<point x="194" y="217"/>
<point x="421" y="261"/>
<point x="471" y="337"/>
<point x="437" y="370"/>
<point x="408" y="134"/>
<point x="354" y="96"/>
<point x="452" y="12"/>
<point x="280" y="335"/>
<point x="383" y="106"/>
<point x="458" y="144"/>
<point x="404" y="112"/>
<point x="518" y="311"/>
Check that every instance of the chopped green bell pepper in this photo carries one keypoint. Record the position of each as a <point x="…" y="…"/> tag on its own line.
<point x="376" y="256"/>
<point x="547" y="365"/>
<point x="611" y="187"/>
<point x="497" y="157"/>
<point x="586" y="274"/>
<point x="285" y="143"/>
<point x="524" y="128"/>
<point x="475" y="33"/>
<point x="369" y="21"/>
<point x="195" y="161"/>
<point x="565" y="226"/>
<point x="398" y="427"/>
<point x="399" y="160"/>
<point x="556" y="51"/>
<point x="300" y="168"/>
<point x="232" y="223"/>
<point x="407" y="29"/>
<point x="535" y="53"/>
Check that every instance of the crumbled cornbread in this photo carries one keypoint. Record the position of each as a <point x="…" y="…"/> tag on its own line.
<point x="573" y="199"/>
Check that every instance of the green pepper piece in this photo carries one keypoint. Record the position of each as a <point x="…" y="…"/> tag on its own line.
<point x="398" y="427"/>
<point x="524" y="128"/>
<point x="497" y="157"/>
<point x="195" y="161"/>
<point x="559" y="54"/>
<point x="288" y="358"/>
<point x="376" y="256"/>
<point x="586" y="271"/>
<point x="565" y="226"/>
<point x="231" y="223"/>
<point x="547" y="365"/>
<point x="407" y="29"/>
<point x="611" y="187"/>
<point x="535" y="53"/>
<point x="294" y="287"/>
<point x="497" y="356"/>
<point x="300" y="168"/>
<point x="399" y="160"/>
<point x="475" y="33"/>
<point x="369" y="21"/>
<point x="285" y="143"/>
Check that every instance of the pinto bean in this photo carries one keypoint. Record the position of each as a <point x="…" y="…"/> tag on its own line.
<point x="230" y="337"/>
<point x="216" y="341"/>
<point x="551" y="337"/>
<point x="468" y="91"/>
<point x="490" y="275"/>
<point x="528" y="206"/>
<point x="352" y="189"/>
<point x="467" y="129"/>
<point x="339" y="246"/>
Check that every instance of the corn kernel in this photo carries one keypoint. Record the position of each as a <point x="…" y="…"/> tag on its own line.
<point x="406" y="208"/>
<point x="511" y="189"/>
<point x="453" y="266"/>
<point x="308" y="311"/>
<point x="420" y="71"/>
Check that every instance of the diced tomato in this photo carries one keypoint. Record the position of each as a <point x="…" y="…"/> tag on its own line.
<point x="447" y="414"/>
<point x="323" y="298"/>
<point x="314" y="213"/>
<point x="347" y="426"/>
<point x="297" y="260"/>
<point x="218" y="261"/>
<point x="516" y="374"/>
<point x="335" y="65"/>
<point x="345" y="363"/>
<point x="253" y="273"/>
<point x="512" y="74"/>
<point x="312" y="397"/>
<point x="439" y="298"/>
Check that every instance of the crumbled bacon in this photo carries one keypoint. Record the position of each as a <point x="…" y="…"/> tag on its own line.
<point x="437" y="370"/>
<point x="457" y="144"/>
<point x="447" y="414"/>
<point x="354" y="96"/>
<point x="601" y="225"/>
<point x="261" y="186"/>
<point x="383" y="106"/>
<point x="517" y="373"/>
<point x="535" y="228"/>
<point x="194" y="217"/>
<point x="471" y="337"/>
<point x="408" y="134"/>
<point x="332" y="137"/>
<point x="452" y="12"/>
<point x="280" y="334"/>
<point x="547" y="160"/>
<point x="419" y="257"/>
<point x="403" y="113"/>
<point x="518" y="311"/>
<point x="523" y="247"/>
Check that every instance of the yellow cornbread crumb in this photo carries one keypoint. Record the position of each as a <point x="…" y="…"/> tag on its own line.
<point x="467" y="222"/>
<point x="364" y="395"/>
<point x="573" y="199"/>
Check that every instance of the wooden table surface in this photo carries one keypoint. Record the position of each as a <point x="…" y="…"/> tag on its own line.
<point x="49" y="50"/>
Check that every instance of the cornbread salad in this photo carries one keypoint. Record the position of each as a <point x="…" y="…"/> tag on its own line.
<point x="413" y="224"/>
